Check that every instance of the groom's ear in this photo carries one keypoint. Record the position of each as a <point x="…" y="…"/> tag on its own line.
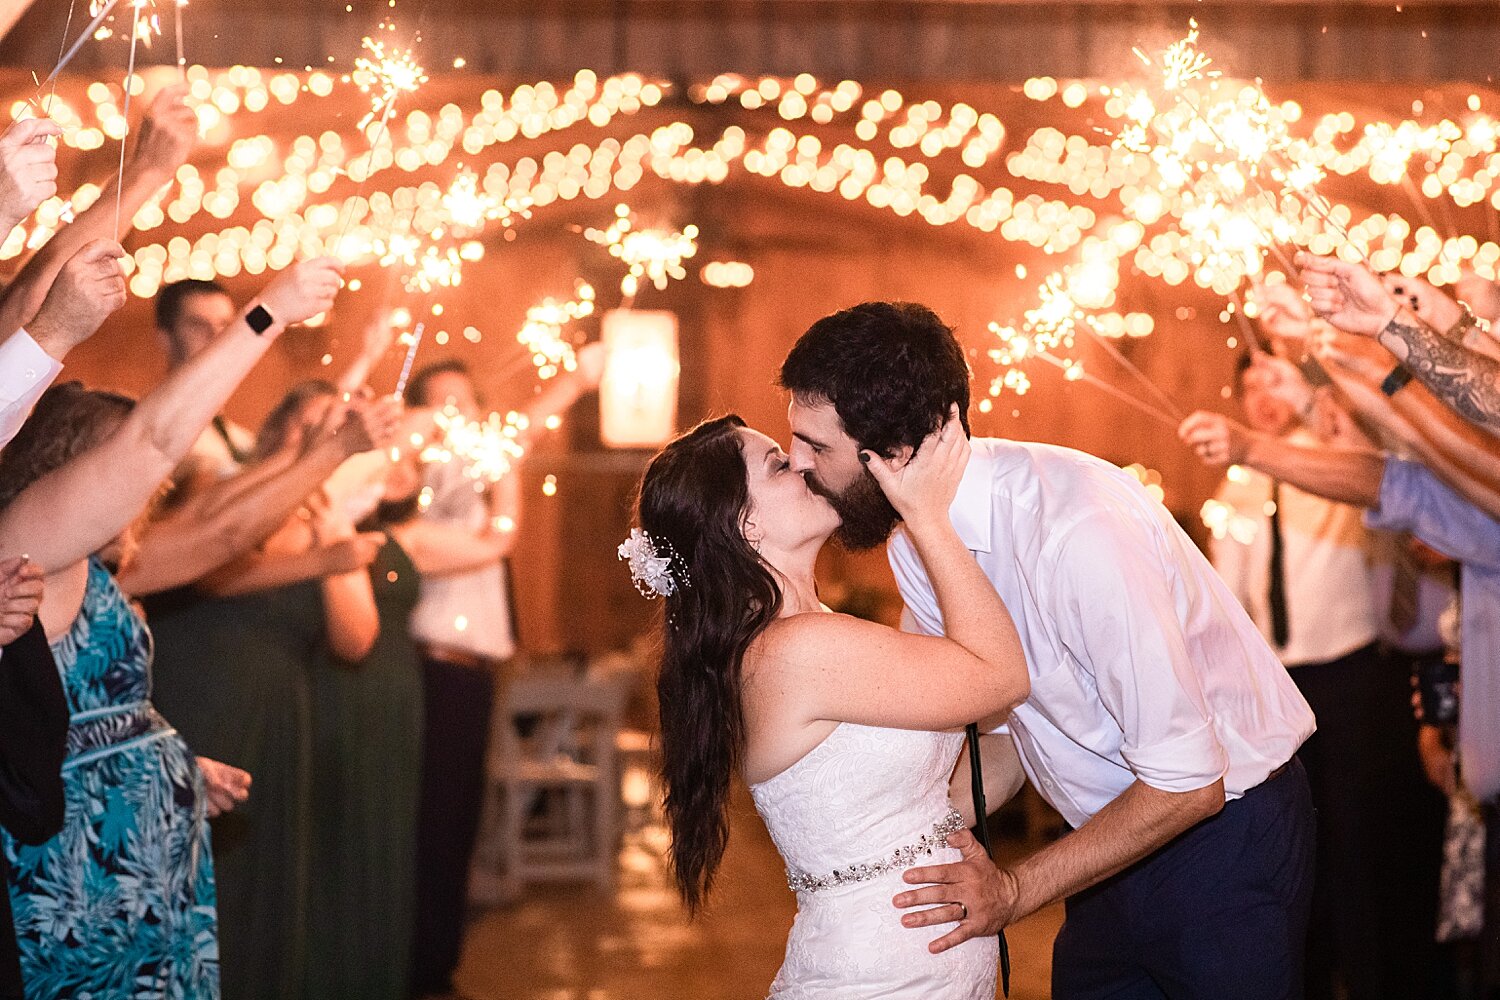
<point x="902" y="455"/>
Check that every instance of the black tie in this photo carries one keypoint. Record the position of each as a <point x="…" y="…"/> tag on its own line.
<point x="1277" y="591"/>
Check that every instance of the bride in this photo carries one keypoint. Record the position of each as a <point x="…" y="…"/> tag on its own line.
<point x="846" y="731"/>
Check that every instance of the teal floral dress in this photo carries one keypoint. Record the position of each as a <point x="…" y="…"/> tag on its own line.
<point x="120" y="904"/>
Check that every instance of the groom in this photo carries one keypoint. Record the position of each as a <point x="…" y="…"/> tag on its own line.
<point x="1159" y="724"/>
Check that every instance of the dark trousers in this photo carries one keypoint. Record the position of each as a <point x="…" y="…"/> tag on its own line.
<point x="1220" y="913"/>
<point x="1380" y="831"/>
<point x="460" y="700"/>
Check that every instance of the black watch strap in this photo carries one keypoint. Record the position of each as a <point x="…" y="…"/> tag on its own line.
<point x="258" y="319"/>
<point x="1395" y="381"/>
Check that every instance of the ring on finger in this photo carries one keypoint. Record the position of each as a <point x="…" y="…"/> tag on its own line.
<point x="963" y="911"/>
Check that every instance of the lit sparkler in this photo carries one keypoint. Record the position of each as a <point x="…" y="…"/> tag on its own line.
<point x="486" y="449"/>
<point x="653" y="254"/>
<point x="385" y="73"/>
<point x="542" y="333"/>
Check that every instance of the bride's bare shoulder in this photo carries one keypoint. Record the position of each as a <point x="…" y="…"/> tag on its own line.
<point x="809" y="637"/>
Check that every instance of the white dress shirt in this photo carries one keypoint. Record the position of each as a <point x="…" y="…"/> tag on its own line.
<point x="1327" y="566"/>
<point x="25" y="373"/>
<point x="468" y="611"/>
<point x="1142" y="663"/>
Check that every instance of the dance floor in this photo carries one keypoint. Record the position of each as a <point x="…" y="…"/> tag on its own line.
<point x="570" y="943"/>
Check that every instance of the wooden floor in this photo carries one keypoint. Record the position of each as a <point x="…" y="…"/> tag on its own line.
<point x="572" y="943"/>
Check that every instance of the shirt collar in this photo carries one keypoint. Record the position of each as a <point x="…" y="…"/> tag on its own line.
<point x="972" y="512"/>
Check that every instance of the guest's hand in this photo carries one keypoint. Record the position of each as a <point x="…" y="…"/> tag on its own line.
<point x="28" y="169"/>
<point x="224" y="786"/>
<point x="20" y="597"/>
<point x="371" y="424"/>
<point x="90" y="286"/>
<point x="303" y="290"/>
<point x="1350" y="296"/>
<point x="1437" y="760"/>
<point x="1345" y="356"/>
<point x="971" y="892"/>
<point x="922" y="488"/>
<point x="591" y="359"/>
<point x="1214" y="438"/>
<point x="167" y="134"/>
<point x="352" y="554"/>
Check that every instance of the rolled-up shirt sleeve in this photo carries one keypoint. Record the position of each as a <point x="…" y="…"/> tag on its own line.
<point x="1116" y="613"/>
<point x="25" y="373"/>
<point x="921" y="608"/>
<point x="1414" y="500"/>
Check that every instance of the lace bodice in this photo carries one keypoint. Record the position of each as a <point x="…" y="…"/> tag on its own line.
<point x="857" y="796"/>
<point x="867" y="800"/>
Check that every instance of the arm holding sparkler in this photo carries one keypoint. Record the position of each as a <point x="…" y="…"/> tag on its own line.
<point x="261" y="571"/>
<point x="167" y="137"/>
<point x="232" y="517"/>
<point x="560" y="393"/>
<point x="1345" y="475"/>
<point x="350" y="617"/>
<point x="378" y="335"/>
<point x="28" y="169"/>
<point x="1460" y="454"/>
<point x="75" y="510"/>
<point x="1353" y="299"/>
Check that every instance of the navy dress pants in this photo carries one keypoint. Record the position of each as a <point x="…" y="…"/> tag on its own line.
<point x="1220" y="913"/>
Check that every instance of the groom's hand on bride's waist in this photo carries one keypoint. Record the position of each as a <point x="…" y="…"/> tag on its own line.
<point x="972" y="892"/>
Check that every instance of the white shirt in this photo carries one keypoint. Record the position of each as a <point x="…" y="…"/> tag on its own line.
<point x="25" y="373"/>
<point x="1143" y="665"/>
<point x="469" y="610"/>
<point x="1327" y="564"/>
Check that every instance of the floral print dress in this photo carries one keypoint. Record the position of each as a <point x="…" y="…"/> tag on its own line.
<point x="120" y="904"/>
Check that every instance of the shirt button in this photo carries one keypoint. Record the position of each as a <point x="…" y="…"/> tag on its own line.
<point x="31" y="374"/>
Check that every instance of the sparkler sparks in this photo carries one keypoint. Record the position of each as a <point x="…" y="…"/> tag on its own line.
<point x="385" y="73"/>
<point x="542" y="333"/>
<point x="486" y="449"/>
<point x="653" y="254"/>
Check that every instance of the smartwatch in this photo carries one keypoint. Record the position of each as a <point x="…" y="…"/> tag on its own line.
<point x="259" y="320"/>
<point x="1395" y="381"/>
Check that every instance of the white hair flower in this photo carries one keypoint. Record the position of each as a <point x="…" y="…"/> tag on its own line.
<point x="651" y="568"/>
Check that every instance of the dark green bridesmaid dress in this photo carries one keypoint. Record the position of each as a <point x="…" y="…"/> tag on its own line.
<point x="234" y="676"/>
<point x="367" y="754"/>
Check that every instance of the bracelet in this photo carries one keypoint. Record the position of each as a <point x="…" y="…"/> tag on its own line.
<point x="1466" y="323"/>
<point x="1395" y="381"/>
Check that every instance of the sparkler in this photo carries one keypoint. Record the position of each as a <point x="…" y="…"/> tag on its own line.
<point x="653" y="254"/>
<point x="411" y="356"/>
<point x="542" y="333"/>
<point x="486" y="449"/>
<point x="135" y="35"/>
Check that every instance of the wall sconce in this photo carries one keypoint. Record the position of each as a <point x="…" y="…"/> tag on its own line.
<point x="638" y="394"/>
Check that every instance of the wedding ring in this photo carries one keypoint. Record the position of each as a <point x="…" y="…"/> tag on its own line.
<point x="965" y="915"/>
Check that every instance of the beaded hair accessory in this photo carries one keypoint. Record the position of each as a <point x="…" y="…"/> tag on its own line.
<point x="653" y="569"/>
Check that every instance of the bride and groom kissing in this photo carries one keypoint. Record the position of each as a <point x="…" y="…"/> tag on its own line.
<point x="1047" y="595"/>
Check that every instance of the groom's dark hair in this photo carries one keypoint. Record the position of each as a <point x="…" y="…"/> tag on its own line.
<point x="891" y="370"/>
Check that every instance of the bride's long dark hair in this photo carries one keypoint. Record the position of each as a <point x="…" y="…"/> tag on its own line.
<point x="694" y="496"/>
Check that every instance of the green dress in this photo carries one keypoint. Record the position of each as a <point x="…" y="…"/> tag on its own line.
<point x="234" y="676"/>
<point x="367" y="753"/>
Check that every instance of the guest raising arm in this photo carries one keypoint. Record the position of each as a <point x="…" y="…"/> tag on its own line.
<point x="28" y="169"/>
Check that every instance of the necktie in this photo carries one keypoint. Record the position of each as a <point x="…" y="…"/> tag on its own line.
<point x="1280" y="631"/>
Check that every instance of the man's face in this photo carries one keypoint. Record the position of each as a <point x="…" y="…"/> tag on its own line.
<point x="828" y="458"/>
<point x="1269" y="391"/>
<point x="454" y="388"/>
<point x="203" y="317"/>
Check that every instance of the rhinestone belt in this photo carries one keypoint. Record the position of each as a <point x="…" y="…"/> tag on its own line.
<point x="900" y="860"/>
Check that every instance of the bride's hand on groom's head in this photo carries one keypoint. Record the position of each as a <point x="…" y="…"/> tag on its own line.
<point x="923" y="485"/>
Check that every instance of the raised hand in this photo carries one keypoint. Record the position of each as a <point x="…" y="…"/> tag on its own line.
<point x="1350" y="296"/>
<point x="90" y="286"/>
<point x="20" y="596"/>
<point x="303" y="290"/>
<point x="354" y="553"/>
<point x="28" y="169"/>
<point x="591" y="358"/>
<point x="1214" y="438"/>
<point x="224" y="786"/>
<point x="923" y="487"/>
<point x="371" y="424"/>
<point x="167" y="134"/>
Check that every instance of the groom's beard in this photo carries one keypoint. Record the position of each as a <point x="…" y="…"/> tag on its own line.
<point x="867" y="517"/>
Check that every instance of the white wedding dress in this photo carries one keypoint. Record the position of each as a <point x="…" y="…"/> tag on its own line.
<point x="848" y="818"/>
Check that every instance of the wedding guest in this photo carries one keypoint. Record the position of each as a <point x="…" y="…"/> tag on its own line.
<point x="464" y="623"/>
<point x="367" y="753"/>
<point x="235" y="658"/>
<point x="130" y="876"/>
<point x="1305" y="571"/>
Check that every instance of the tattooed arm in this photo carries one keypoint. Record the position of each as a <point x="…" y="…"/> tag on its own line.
<point x="1353" y="299"/>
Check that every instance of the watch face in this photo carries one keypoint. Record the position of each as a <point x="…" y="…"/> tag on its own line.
<point x="258" y="319"/>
